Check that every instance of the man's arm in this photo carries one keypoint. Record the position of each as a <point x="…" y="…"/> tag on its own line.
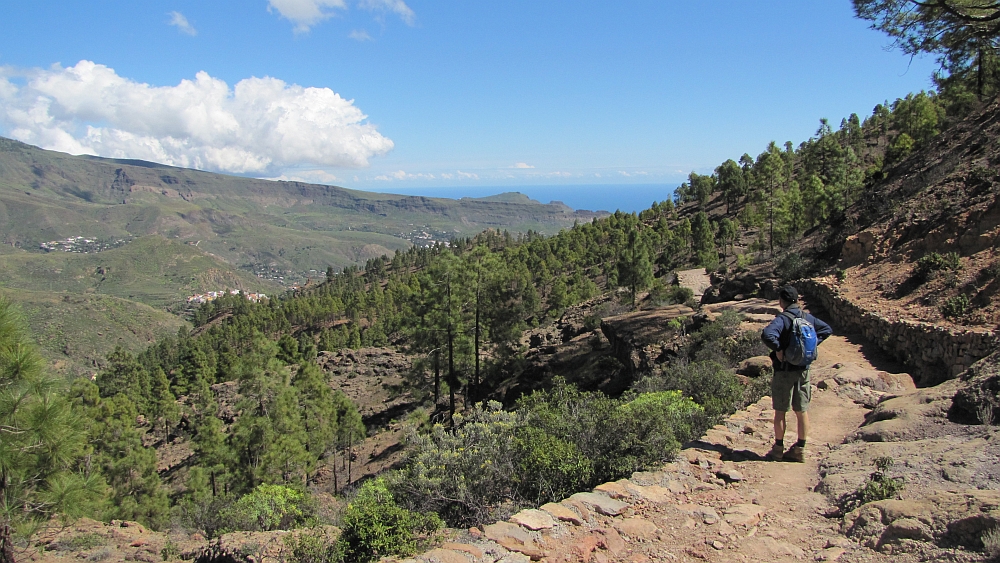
<point x="772" y="332"/>
<point x="823" y="330"/>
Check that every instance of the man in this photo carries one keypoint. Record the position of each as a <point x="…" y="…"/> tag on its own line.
<point x="790" y="386"/>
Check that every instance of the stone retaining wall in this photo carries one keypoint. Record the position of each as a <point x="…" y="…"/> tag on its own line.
<point x="934" y="353"/>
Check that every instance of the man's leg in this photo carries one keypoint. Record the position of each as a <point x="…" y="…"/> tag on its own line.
<point x="781" y="402"/>
<point x="779" y="425"/>
<point x="800" y="404"/>
<point x="802" y="418"/>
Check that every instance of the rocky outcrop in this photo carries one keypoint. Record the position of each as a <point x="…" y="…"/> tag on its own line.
<point x="636" y="338"/>
<point x="367" y="376"/>
<point x="955" y="519"/>
<point x="978" y="399"/>
<point x="731" y="288"/>
<point x="935" y="353"/>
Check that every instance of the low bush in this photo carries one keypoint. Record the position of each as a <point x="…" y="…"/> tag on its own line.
<point x="373" y="526"/>
<point x="555" y="442"/>
<point x="991" y="544"/>
<point x="668" y="294"/>
<point x="710" y="384"/>
<point x="266" y="508"/>
<point x="314" y="546"/>
<point x="792" y="266"/>
<point x="934" y="262"/>
<point x="955" y="307"/>
<point x="878" y="486"/>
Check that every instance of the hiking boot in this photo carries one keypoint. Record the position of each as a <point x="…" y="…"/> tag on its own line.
<point x="796" y="454"/>
<point x="776" y="454"/>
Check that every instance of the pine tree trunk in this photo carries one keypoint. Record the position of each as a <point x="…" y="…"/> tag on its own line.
<point x="437" y="376"/>
<point x="6" y="544"/>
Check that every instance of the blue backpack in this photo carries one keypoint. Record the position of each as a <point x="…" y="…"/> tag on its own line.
<point x="801" y="349"/>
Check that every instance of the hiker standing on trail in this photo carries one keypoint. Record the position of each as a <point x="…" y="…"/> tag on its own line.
<point x="792" y="338"/>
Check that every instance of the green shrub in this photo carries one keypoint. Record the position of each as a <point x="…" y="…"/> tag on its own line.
<point x="991" y="544"/>
<point x="955" y="307"/>
<point x="678" y="294"/>
<point x="900" y="148"/>
<point x="619" y="436"/>
<point x="878" y="486"/>
<point x="170" y="551"/>
<point x="934" y="262"/>
<point x="759" y="388"/>
<point x="267" y="507"/>
<point x="466" y="475"/>
<point x="314" y="546"/>
<point x="373" y="526"/>
<point x="710" y="384"/>
<point x="792" y="267"/>
<point x="841" y="274"/>
<point x="548" y="467"/>
<point x="556" y="442"/>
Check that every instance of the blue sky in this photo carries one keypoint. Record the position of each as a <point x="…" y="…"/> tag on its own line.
<point x="395" y="95"/>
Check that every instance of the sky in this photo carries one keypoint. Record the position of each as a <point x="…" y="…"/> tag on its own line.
<point x="403" y="95"/>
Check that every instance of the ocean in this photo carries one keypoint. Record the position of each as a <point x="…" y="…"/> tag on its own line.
<point x="593" y="197"/>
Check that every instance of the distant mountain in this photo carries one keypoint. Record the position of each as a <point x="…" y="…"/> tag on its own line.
<point x="257" y="225"/>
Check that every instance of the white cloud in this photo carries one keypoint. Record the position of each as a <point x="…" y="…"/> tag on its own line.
<point x="259" y="126"/>
<point x="522" y="165"/>
<point x="403" y="175"/>
<point x="360" y="35"/>
<point x="309" y="177"/>
<point x="398" y="7"/>
<point x="178" y="20"/>
<point x="467" y="175"/>
<point x="305" y="13"/>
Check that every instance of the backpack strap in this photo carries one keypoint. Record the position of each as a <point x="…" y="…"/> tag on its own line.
<point x="790" y="316"/>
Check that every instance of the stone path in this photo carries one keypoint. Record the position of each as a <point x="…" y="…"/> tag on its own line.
<point x="719" y="501"/>
<point x="697" y="280"/>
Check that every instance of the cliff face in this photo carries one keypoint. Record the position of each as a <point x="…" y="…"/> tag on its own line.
<point x="638" y="339"/>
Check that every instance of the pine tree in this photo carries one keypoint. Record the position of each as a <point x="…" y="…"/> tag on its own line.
<point x="42" y="439"/>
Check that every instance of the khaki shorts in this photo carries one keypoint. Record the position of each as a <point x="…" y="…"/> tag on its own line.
<point x="791" y="389"/>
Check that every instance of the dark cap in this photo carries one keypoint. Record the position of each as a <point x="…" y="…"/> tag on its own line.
<point x="788" y="294"/>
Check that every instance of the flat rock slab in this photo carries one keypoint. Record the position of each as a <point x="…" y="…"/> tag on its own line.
<point x="743" y="514"/>
<point x="637" y="528"/>
<point x="514" y="538"/>
<point x="730" y="474"/>
<point x="440" y="555"/>
<point x="464" y="547"/>
<point x="652" y="493"/>
<point x="614" y="489"/>
<point x="534" y="519"/>
<point x="562" y="513"/>
<point x="601" y="503"/>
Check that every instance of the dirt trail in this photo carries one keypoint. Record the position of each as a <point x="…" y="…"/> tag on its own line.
<point x="720" y="501"/>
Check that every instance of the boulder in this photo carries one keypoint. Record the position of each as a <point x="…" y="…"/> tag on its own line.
<point x="755" y="366"/>
<point x="977" y="398"/>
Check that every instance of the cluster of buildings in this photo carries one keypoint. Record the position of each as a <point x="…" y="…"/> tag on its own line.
<point x="80" y="244"/>
<point x="426" y="237"/>
<point x="212" y="295"/>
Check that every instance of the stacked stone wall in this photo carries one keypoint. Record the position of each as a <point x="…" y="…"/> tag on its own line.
<point x="934" y="353"/>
